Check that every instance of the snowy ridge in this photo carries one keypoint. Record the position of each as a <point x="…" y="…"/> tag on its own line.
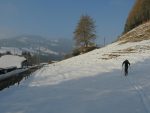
<point x="18" y="51"/>
<point x="93" y="63"/>
<point x="12" y="50"/>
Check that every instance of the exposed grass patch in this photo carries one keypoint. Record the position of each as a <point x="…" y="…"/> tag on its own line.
<point x="110" y="56"/>
<point x="118" y="53"/>
<point x="136" y="35"/>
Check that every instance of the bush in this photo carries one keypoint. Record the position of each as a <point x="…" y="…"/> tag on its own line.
<point x="68" y="56"/>
<point x="8" y="53"/>
<point x="83" y="50"/>
<point x="76" y="52"/>
<point x="88" y="49"/>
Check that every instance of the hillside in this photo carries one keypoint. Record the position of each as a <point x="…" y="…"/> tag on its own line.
<point x="142" y="32"/>
<point x="93" y="63"/>
<point x="88" y="83"/>
<point x="130" y="46"/>
<point x="139" y="14"/>
<point x="52" y="49"/>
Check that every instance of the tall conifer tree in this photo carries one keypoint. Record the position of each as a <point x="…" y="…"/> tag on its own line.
<point x="85" y="33"/>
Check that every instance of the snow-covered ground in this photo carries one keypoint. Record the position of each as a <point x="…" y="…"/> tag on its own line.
<point x="11" y="60"/>
<point x="89" y="83"/>
<point x="93" y="63"/>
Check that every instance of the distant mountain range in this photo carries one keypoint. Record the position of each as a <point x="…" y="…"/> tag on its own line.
<point x="54" y="49"/>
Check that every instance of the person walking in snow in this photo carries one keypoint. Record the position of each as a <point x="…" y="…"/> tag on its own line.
<point x="126" y="64"/>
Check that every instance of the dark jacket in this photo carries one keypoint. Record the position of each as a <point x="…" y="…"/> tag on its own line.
<point x="126" y="63"/>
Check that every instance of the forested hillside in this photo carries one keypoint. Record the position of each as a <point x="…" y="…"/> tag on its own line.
<point x="139" y="14"/>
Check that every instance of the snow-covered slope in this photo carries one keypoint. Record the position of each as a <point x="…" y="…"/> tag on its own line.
<point x="11" y="60"/>
<point x="89" y="83"/>
<point x="93" y="63"/>
<point x="94" y="82"/>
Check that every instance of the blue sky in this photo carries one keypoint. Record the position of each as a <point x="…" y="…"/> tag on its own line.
<point x="58" y="18"/>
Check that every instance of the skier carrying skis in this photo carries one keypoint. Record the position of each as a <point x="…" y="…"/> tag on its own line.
<point x="126" y="63"/>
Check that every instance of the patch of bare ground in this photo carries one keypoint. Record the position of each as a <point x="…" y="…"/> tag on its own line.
<point x="110" y="56"/>
<point x="138" y="34"/>
<point x="129" y="50"/>
<point x="118" y="53"/>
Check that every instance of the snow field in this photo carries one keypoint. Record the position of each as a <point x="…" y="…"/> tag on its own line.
<point x="92" y="63"/>
<point x="89" y="83"/>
